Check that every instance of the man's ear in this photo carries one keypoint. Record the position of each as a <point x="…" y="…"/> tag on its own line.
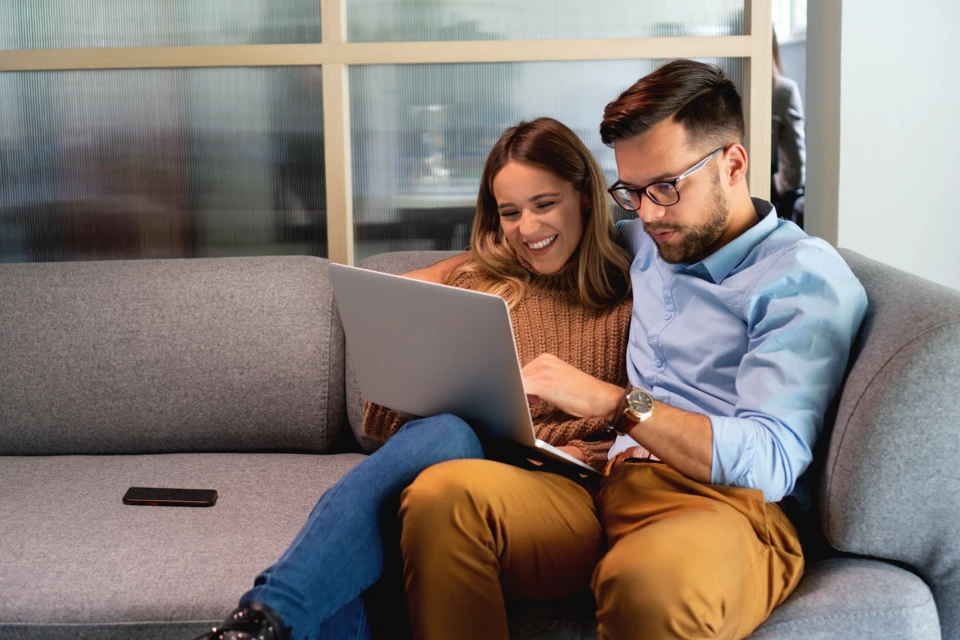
<point x="735" y="163"/>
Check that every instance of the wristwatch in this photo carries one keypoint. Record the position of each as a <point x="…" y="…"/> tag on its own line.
<point x="636" y="406"/>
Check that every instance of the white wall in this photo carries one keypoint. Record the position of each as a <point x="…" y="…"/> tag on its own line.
<point x="823" y="118"/>
<point x="898" y="149"/>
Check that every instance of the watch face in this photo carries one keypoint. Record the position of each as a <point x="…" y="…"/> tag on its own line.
<point x="639" y="402"/>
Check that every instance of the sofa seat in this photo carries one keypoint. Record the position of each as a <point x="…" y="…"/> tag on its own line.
<point x="169" y="571"/>
<point x="855" y="598"/>
<point x="837" y="599"/>
<point x="75" y="562"/>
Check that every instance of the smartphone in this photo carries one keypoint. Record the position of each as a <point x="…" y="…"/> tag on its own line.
<point x="158" y="497"/>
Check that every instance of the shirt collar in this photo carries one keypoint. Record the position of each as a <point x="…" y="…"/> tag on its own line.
<point x="720" y="263"/>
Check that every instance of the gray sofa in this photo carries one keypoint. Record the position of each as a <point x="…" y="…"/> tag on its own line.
<point x="232" y="374"/>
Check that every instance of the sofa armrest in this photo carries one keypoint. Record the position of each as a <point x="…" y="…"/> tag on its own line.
<point x="891" y="485"/>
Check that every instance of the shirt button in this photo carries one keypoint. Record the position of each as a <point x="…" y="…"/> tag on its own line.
<point x="667" y="316"/>
<point x="658" y="362"/>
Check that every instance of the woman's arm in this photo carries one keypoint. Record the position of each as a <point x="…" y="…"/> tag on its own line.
<point x="381" y="423"/>
<point x="593" y="452"/>
<point x="440" y="271"/>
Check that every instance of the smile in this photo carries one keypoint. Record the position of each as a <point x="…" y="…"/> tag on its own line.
<point x="543" y="243"/>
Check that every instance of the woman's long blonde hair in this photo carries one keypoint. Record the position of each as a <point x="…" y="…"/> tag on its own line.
<point x="602" y="276"/>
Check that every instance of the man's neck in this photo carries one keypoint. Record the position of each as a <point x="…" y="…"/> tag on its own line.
<point x="743" y="216"/>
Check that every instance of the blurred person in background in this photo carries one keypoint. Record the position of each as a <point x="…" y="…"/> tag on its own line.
<point x="788" y="160"/>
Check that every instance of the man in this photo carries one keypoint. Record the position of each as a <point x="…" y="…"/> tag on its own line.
<point x="739" y="340"/>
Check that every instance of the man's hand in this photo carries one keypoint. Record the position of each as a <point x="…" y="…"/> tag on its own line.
<point x="579" y="394"/>
<point x="681" y="439"/>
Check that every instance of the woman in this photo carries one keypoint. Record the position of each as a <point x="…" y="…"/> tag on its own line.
<point x="543" y="239"/>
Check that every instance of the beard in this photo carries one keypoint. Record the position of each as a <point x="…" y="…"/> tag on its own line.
<point x="695" y="241"/>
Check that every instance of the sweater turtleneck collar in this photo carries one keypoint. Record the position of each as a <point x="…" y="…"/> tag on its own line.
<point x="563" y="279"/>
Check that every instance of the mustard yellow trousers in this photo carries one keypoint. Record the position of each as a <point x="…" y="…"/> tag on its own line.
<point x="666" y="556"/>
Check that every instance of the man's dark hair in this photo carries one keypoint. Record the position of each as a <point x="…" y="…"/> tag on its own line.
<point x="698" y="96"/>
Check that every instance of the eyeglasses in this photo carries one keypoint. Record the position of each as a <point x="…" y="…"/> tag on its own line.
<point x="663" y="193"/>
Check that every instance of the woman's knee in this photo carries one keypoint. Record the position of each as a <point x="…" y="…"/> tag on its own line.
<point x="451" y="437"/>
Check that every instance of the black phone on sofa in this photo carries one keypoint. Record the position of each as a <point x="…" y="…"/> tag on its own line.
<point x="162" y="497"/>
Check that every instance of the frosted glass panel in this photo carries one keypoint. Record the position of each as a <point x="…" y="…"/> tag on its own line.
<point x="53" y="24"/>
<point x="421" y="133"/>
<point x="421" y="20"/>
<point x="161" y="163"/>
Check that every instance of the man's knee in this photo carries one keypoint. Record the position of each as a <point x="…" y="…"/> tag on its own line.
<point x="437" y="493"/>
<point x="651" y="595"/>
<point x="631" y="587"/>
<point x="440" y="513"/>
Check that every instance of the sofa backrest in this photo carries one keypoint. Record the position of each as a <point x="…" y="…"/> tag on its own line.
<point x="891" y="482"/>
<point x="233" y="354"/>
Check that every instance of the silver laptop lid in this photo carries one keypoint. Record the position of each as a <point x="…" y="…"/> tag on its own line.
<point x="423" y="349"/>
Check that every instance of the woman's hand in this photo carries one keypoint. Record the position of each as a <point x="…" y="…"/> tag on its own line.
<point x="579" y="394"/>
<point x="575" y="452"/>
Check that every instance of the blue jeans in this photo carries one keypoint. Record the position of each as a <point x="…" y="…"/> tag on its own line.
<point x="338" y="554"/>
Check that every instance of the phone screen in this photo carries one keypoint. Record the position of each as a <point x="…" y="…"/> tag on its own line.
<point x="162" y="497"/>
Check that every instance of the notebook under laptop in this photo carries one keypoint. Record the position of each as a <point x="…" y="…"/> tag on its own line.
<point x="424" y="349"/>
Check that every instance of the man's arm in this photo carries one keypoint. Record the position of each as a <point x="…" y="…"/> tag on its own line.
<point x="680" y="438"/>
<point x="801" y="320"/>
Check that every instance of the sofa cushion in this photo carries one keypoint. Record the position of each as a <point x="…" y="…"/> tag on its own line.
<point x="399" y="262"/>
<point x="153" y="356"/>
<point x="841" y="599"/>
<point x="77" y="563"/>
<point x="891" y="472"/>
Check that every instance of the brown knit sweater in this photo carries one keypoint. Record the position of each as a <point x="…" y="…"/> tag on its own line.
<point x="549" y="319"/>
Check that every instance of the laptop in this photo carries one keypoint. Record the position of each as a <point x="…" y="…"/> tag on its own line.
<point x="424" y="349"/>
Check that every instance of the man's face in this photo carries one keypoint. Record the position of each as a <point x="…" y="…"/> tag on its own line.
<point x="687" y="231"/>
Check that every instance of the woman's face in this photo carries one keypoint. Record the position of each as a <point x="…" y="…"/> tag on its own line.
<point x="541" y="215"/>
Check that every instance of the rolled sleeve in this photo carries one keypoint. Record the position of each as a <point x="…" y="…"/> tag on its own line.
<point x="802" y="316"/>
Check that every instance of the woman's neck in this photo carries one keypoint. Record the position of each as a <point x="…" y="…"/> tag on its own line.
<point x="563" y="279"/>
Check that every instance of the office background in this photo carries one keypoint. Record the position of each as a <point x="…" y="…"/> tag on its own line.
<point x="345" y="128"/>
<point x="338" y="128"/>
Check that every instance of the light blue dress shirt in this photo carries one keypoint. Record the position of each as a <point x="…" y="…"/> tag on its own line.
<point x="756" y="336"/>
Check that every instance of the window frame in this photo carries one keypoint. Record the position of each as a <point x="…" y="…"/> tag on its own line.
<point x="335" y="55"/>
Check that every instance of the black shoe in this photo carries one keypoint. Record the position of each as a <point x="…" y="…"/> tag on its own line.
<point x="252" y="621"/>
